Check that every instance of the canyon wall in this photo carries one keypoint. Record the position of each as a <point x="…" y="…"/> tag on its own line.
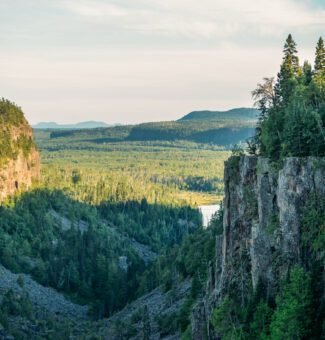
<point x="264" y="205"/>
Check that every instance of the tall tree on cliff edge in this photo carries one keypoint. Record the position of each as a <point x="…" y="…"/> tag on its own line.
<point x="272" y="125"/>
<point x="293" y="124"/>
<point x="289" y="71"/>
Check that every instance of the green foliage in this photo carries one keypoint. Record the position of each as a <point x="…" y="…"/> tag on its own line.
<point x="313" y="225"/>
<point x="185" y="313"/>
<point x="223" y="132"/>
<point x="259" y="326"/>
<point x="189" y="259"/>
<point x="187" y="335"/>
<point x="10" y="114"/>
<point x="167" y="323"/>
<point x="16" y="304"/>
<point x="233" y="114"/>
<point x="292" y="318"/>
<point x="320" y="56"/>
<point x="159" y="226"/>
<point x="83" y="262"/>
<point x="163" y="172"/>
<point x="273" y="224"/>
<point x="12" y="122"/>
<point x="216" y="222"/>
<point x="292" y="121"/>
<point x="225" y="320"/>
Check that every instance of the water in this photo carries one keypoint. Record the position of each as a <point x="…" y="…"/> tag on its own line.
<point x="207" y="212"/>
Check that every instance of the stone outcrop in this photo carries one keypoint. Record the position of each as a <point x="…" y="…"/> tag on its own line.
<point x="263" y="211"/>
<point x="158" y="304"/>
<point x="22" y="165"/>
<point x="41" y="297"/>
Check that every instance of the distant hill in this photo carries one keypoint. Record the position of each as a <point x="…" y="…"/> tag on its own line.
<point x="222" y="132"/>
<point x="77" y="126"/>
<point x="238" y="113"/>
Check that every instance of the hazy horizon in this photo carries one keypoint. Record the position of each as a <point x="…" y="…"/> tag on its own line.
<point x="125" y="62"/>
<point x="118" y="123"/>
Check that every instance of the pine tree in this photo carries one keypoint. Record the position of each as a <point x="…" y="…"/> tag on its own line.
<point x="320" y="56"/>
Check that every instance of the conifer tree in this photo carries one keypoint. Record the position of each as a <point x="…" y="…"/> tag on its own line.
<point x="289" y="71"/>
<point x="307" y="72"/>
<point x="290" y="59"/>
<point x="320" y="56"/>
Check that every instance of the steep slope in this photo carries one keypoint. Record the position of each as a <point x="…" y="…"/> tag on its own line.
<point x="141" y="318"/>
<point x="41" y="297"/>
<point x="19" y="158"/>
<point x="265" y="236"/>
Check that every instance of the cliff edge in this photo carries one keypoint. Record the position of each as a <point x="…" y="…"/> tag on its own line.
<point x="19" y="158"/>
<point x="264" y="232"/>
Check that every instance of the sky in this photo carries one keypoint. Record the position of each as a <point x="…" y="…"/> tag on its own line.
<point x="130" y="61"/>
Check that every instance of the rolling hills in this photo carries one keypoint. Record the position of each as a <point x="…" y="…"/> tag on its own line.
<point x="222" y="128"/>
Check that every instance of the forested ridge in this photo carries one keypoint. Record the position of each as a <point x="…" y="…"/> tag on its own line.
<point x="233" y="114"/>
<point x="223" y="129"/>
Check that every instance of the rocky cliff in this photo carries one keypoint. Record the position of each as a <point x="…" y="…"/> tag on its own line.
<point x="264" y="208"/>
<point x="19" y="158"/>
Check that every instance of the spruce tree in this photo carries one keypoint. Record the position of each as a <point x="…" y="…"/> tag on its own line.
<point x="290" y="59"/>
<point x="320" y="56"/>
<point x="307" y="73"/>
<point x="289" y="71"/>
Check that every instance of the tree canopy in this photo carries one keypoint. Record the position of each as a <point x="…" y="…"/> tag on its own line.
<point x="292" y="118"/>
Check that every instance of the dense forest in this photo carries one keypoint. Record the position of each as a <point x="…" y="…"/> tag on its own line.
<point x="233" y="114"/>
<point x="222" y="130"/>
<point x="292" y="107"/>
<point x="164" y="172"/>
<point x="75" y="247"/>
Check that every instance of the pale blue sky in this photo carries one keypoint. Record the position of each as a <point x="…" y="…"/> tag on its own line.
<point x="145" y="60"/>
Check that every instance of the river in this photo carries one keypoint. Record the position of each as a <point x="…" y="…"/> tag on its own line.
<point x="207" y="212"/>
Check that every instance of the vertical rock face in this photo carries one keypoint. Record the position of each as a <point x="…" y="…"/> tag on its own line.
<point x="263" y="211"/>
<point x="19" y="161"/>
<point x="240" y="213"/>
